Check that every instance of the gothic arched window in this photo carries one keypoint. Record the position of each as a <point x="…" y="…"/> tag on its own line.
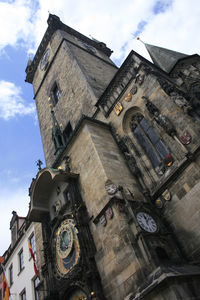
<point x="151" y="143"/>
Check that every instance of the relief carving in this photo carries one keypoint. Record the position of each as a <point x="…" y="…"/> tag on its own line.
<point x="161" y="119"/>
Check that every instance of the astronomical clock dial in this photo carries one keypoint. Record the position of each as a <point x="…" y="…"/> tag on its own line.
<point x="146" y="222"/>
<point x="67" y="249"/>
<point x="45" y="59"/>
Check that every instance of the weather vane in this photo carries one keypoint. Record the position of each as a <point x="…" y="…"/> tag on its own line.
<point x="139" y="39"/>
<point x="39" y="163"/>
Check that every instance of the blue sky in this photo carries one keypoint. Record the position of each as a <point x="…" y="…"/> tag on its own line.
<point x="167" y="23"/>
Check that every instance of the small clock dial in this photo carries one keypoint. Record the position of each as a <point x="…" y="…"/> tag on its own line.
<point x="110" y="187"/>
<point x="45" y="59"/>
<point x="67" y="249"/>
<point x="146" y="222"/>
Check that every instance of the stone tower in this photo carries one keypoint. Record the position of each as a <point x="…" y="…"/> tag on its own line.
<point x="118" y="200"/>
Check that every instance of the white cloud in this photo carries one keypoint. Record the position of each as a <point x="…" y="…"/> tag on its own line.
<point x="175" y="29"/>
<point x="9" y="201"/>
<point x="114" y="22"/>
<point x="12" y="103"/>
<point x="110" y="21"/>
<point x="15" y="25"/>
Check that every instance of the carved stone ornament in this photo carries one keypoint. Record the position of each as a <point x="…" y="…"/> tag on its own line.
<point x="186" y="138"/>
<point x="103" y="220"/>
<point x="128" y="98"/>
<point x="159" y="203"/>
<point x="110" y="187"/>
<point x="166" y="195"/>
<point x="166" y="124"/>
<point x="139" y="79"/>
<point x="132" y="164"/>
<point x="57" y="206"/>
<point x="133" y="91"/>
<point x="161" y="119"/>
<point x="180" y="101"/>
<point x="118" y="108"/>
<point x="109" y="213"/>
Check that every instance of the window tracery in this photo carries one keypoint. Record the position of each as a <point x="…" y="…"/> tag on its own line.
<point x="151" y="143"/>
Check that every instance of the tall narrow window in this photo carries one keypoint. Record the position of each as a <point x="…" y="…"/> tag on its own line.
<point x="67" y="131"/>
<point x="23" y="295"/>
<point x="32" y="242"/>
<point x="11" y="274"/>
<point x="33" y="246"/>
<point x="36" y="283"/>
<point x="55" y="94"/>
<point x="149" y="140"/>
<point x="21" y="260"/>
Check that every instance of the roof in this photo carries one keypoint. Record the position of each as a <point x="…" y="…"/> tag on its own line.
<point x="164" y="58"/>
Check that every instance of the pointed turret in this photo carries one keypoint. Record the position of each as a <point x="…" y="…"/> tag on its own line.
<point x="165" y="59"/>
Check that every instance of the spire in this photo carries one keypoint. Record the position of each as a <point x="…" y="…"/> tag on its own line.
<point x="163" y="58"/>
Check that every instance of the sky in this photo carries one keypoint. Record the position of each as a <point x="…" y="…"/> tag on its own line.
<point x="173" y="24"/>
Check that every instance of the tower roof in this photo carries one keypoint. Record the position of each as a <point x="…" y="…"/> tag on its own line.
<point x="164" y="58"/>
<point x="54" y="24"/>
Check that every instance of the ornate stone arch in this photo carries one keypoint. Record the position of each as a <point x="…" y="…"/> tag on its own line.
<point x="144" y="135"/>
<point x="127" y="118"/>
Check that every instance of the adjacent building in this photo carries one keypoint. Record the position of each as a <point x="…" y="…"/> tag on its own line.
<point x="118" y="200"/>
<point x="18" y="262"/>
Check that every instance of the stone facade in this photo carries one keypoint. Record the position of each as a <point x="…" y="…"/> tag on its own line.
<point x="130" y="165"/>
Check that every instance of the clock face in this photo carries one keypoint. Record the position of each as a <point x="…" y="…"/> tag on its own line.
<point x="146" y="222"/>
<point x="45" y="59"/>
<point x="111" y="189"/>
<point x="67" y="249"/>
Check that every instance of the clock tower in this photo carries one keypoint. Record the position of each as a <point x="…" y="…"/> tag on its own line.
<point x="118" y="196"/>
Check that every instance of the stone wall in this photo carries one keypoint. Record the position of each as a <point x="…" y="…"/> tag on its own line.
<point x="96" y="157"/>
<point x="182" y="212"/>
<point x="79" y="88"/>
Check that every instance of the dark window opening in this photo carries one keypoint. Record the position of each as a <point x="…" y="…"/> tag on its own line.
<point x="23" y="295"/>
<point x="60" y="142"/>
<point x="55" y="94"/>
<point x="11" y="274"/>
<point x="36" y="283"/>
<point x="21" y="260"/>
<point x="32" y="242"/>
<point x="67" y="131"/>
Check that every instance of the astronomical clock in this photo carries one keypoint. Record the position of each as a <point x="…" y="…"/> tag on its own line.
<point x="66" y="247"/>
<point x="69" y="249"/>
